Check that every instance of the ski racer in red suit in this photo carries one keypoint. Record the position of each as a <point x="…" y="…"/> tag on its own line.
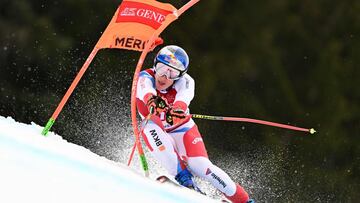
<point x="164" y="93"/>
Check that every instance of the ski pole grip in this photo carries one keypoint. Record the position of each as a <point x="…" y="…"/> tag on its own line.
<point x="152" y="110"/>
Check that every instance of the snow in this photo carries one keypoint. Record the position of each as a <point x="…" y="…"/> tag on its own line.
<point x="34" y="168"/>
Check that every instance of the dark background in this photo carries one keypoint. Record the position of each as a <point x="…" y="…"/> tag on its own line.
<point x="293" y="62"/>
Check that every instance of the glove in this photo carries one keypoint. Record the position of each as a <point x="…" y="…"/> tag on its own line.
<point x="156" y="105"/>
<point x="175" y="116"/>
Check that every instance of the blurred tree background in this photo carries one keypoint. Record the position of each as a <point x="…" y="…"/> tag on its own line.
<point x="291" y="62"/>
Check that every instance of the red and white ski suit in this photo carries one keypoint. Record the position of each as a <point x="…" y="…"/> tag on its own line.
<point x="178" y="146"/>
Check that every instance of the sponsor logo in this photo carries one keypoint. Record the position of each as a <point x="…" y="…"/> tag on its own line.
<point x="130" y="42"/>
<point x="196" y="140"/>
<point x="141" y="13"/>
<point x="157" y="140"/>
<point x="214" y="176"/>
<point x="208" y="171"/>
<point x="171" y="58"/>
<point x="128" y="12"/>
<point x="221" y="182"/>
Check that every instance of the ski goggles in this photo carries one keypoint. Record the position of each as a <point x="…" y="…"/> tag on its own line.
<point x="168" y="71"/>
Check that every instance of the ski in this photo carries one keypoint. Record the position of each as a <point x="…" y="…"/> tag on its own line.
<point x="166" y="180"/>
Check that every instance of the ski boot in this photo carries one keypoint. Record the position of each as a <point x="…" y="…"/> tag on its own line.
<point x="185" y="178"/>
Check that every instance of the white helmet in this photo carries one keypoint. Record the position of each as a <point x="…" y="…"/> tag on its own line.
<point x="174" y="57"/>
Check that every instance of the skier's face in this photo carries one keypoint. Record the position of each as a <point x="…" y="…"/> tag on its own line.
<point x="162" y="82"/>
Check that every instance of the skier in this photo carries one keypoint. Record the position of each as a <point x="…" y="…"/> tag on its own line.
<point x="164" y="93"/>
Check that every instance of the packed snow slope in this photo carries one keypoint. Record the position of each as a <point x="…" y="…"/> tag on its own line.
<point x="34" y="168"/>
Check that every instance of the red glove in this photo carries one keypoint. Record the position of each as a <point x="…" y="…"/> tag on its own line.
<point x="156" y="105"/>
<point x="175" y="116"/>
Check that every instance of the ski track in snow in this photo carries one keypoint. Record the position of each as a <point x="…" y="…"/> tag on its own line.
<point x="35" y="168"/>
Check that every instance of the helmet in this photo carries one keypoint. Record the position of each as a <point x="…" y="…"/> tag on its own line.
<point x="174" y="57"/>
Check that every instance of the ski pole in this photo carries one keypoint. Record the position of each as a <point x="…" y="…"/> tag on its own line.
<point x="141" y="131"/>
<point x="250" y="120"/>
